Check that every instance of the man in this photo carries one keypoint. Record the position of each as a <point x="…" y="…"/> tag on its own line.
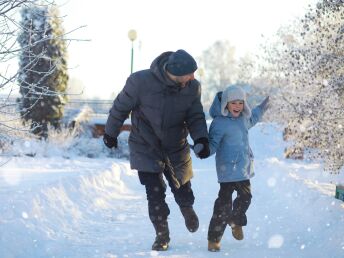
<point x="165" y="106"/>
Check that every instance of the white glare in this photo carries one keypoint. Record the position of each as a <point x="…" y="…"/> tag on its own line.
<point x="276" y="241"/>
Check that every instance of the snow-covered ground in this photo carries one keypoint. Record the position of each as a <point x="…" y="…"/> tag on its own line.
<point x="69" y="206"/>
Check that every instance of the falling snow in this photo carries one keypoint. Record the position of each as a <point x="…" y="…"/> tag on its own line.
<point x="80" y="207"/>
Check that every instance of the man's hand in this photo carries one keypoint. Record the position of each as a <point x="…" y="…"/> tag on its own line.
<point x="110" y="141"/>
<point x="201" y="148"/>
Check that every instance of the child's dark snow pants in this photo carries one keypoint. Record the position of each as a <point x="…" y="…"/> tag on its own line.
<point x="225" y="212"/>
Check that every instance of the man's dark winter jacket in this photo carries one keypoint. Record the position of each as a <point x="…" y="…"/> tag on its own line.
<point x="163" y="113"/>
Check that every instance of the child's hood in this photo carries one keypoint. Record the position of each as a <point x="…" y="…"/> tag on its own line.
<point x="215" y="109"/>
<point x="219" y="104"/>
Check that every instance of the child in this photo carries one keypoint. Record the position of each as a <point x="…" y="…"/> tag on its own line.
<point x="228" y="136"/>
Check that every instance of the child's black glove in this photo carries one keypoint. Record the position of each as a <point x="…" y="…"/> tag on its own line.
<point x="110" y="141"/>
<point x="265" y="104"/>
<point x="201" y="148"/>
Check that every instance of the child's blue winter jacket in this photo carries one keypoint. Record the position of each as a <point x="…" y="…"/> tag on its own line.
<point x="228" y="137"/>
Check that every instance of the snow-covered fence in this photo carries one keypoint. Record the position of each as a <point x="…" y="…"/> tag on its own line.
<point x="98" y="106"/>
<point x="76" y="112"/>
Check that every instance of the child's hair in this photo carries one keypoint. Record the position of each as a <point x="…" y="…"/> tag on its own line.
<point x="234" y="92"/>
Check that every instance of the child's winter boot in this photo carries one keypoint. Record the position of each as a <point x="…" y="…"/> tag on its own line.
<point x="237" y="232"/>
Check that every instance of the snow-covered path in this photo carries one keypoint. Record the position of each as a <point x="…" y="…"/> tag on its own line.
<point x="53" y="207"/>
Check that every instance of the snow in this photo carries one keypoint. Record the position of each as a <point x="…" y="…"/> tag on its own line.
<point x="53" y="206"/>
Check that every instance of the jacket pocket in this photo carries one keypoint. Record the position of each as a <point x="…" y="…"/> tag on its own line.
<point x="251" y="153"/>
<point x="251" y="167"/>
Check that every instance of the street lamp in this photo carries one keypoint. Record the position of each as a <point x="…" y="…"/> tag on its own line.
<point x="200" y="73"/>
<point x="132" y="36"/>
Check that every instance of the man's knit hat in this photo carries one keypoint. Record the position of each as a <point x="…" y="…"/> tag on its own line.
<point x="181" y="63"/>
<point x="232" y="93"/>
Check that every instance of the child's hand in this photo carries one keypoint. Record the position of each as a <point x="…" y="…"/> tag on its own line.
<point x="198" y="148"/>
<point x="201" y="148"/>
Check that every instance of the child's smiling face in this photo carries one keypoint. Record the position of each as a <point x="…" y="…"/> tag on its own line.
<point x="235" y="107"/>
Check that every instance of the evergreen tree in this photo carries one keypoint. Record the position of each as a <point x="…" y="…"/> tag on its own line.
<point x="43" y="74"/>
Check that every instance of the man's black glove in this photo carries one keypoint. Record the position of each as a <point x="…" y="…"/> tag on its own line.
<point x="110" y="141"/>
<point x="201" y="148"/>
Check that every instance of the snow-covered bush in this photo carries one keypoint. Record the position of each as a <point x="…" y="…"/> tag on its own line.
<point x="68" y="143"/>
<point x="306" y="62"/>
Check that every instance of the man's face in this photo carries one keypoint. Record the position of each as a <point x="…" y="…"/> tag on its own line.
<point x="235" y="107"/>
<point x="183" y="80"/>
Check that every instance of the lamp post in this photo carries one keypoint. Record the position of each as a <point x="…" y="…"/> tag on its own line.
<point x="200" y="73"/>
<point x="132" y="36"/>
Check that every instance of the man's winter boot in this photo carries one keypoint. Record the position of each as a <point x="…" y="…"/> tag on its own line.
<point x="162" y="238"/>
<point x="213" y="246"/>
<point x="191" y="219"/>
<point x="237" y="232"/>
<point x="160" y="245"/>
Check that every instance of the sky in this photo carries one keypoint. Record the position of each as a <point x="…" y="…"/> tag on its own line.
<point x="60" y="203"/>
<point x="100" y="55"/>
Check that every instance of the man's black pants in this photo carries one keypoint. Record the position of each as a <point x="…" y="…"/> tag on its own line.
<point x="156" y="194"/>
<point x="225" y="212"/>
